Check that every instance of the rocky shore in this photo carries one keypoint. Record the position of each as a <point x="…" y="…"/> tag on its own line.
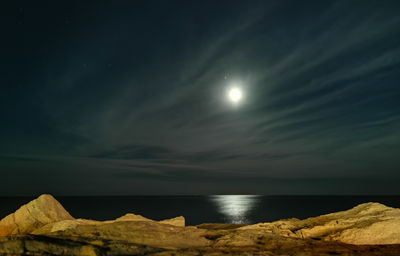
<point x="44" y="227"/>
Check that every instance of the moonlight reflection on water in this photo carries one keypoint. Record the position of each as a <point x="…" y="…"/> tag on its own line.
<point x="235" y="208"/>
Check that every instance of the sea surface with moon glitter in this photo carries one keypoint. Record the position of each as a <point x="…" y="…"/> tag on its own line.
<point x="239" y="209"/>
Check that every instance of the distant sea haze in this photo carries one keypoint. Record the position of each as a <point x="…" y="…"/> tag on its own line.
<point x="240" y="209"/>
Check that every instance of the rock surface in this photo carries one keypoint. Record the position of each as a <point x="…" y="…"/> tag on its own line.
<point x="369" y="223"/>
<point x="269" y="245"/>
<point x="177" y="221"/>
<point x="367" y="229"/>
<point x="45" y="215"/>
<point x="140" y="232"/>
<point x="33" y="215"/>
<point x="72" y="224"/>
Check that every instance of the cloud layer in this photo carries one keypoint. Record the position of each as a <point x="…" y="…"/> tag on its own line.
<point x="129" y="98"/>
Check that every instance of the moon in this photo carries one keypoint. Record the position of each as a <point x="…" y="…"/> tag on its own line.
<point x="235" y="95"/>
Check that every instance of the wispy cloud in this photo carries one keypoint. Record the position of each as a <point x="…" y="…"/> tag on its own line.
<point x="147" y="102"/>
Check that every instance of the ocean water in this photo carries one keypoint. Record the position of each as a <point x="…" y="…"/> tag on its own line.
<point x="246" y="209"/>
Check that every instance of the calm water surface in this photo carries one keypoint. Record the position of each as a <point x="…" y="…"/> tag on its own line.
<point x="205" y="209"/>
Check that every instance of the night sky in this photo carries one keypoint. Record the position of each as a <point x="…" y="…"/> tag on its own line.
<point x="130" y="97"/>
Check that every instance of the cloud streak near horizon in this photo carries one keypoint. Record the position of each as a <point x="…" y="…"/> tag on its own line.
<point x="128" y="98"/>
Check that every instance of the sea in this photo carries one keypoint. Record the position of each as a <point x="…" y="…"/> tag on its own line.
<point x="239" y="209"/>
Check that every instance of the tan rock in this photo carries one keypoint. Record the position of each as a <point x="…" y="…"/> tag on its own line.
<point x="177" y="221"/>
<point x="149" y="233"/>
<point x="132" y="217"/>
<point x="71" y="224"/>
<point x="369" y="223"/>
<point x="267" y="245"/>
<point x="33" y="215"/>
<point x="54" y="231"/>
<point x="64" y="225"/>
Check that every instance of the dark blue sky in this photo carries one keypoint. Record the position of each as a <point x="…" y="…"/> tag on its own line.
<point x="129" y="97"/>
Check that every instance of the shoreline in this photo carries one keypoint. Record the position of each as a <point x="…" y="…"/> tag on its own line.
<point x="44" y="227"/>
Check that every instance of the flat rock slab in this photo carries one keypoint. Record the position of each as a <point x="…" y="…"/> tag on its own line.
<point x="369" y="223"/>
<point x="78" y="246"/>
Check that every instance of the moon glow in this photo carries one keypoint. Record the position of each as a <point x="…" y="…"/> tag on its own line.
<point x="235" y="95"/>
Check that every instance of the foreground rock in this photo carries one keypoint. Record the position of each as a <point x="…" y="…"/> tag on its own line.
<point x="370" y="223"/>
<point x="73" y="224"/>
<point x="140" y="232"/>
<point x="268" y="245"/>
<point x="37" y="213"/>
<point x="46" y="215"/>
<point x="43" y="227"/>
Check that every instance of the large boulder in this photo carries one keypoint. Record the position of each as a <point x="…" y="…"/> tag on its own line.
<point x="33" y="215"/>
<point x="369" y="223"/>
<point x="46" y="215"/>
